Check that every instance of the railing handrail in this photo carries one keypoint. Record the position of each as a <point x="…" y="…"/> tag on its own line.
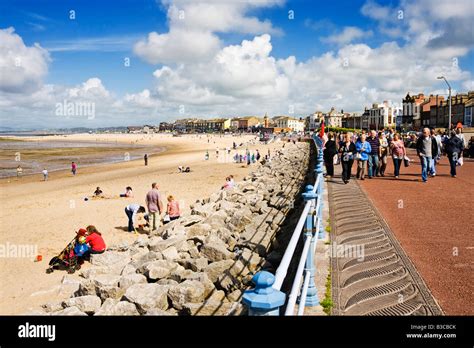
<point x="266" y="297"/>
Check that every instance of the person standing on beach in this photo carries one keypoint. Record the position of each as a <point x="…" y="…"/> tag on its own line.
<point x="73" y="168"/>
<point x="154" y="205"/>
<point x="19" y="171"/>
<point x="45" y="174"/>
<point x="132" y="210"/>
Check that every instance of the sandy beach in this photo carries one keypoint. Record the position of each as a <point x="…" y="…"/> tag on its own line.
<point x="46" y="214"/>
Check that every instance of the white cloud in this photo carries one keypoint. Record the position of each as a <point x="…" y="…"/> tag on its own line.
<point x="22" y="67"/>
<point x="194" y="26"/>
<point x="347" y="35"/>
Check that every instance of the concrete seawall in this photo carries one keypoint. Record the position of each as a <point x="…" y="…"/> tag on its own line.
<point x="201" y="263"/>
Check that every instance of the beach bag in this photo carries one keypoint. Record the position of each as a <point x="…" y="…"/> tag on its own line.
<point x="460" y="162"/>
<point x="406" y="161"/>
<point x="81" y="249"/>
<point x="166" y="218"/>
<point x="358" y="156"/>
<point x="336" y="159"/>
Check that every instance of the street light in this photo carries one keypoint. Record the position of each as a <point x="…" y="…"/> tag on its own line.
<point x="449" y="89"/>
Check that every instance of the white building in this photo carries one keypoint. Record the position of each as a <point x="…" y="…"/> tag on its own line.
<point x="383" y="115"/>
<point x="290" y="122"/>
<point x="314" y="121"/>
<point x="333" y="118"/>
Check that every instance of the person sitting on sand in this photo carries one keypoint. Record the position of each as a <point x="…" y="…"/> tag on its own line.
<point x="98" y="192"/>
<point x="228" y="184"/>
<point x="19" y="171"/>
<point x="132" y="210"/>
<point x="128" y="192"/>
<point x="172" y="209"/>
<point x="95" y="240"/>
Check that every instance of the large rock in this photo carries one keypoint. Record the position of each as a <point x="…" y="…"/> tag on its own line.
<point x="114" y="307"/>
<point x="202" y="229"/>
<point x="111" y="258"/>
<point x="215" y="269"/>
<point x="128" y="280"/>
<point x="203" y="210"/>
<point x="88" y="304"/>
<point x="251" y="259"/>
<point x="70" y="311"/>
<point x="159" y="244"/>
<point x="171" y="253"/>
<point x="147" y="296"/>
<point x="213" y="308"/>
<point x="188" y="291"/>
<point x="107" y="286"/>
<point x="159" y="269"/>
<point x="241" y="218"/>
<point x="195" y="265"/>
<point x="215" y="251"/>
<point x="227" y="282"/>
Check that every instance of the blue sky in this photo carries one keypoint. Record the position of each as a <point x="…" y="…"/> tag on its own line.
<point x="95" y="44"/>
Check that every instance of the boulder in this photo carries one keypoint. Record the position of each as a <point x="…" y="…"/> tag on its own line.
<point x="214" y="269"/>
<point x="147" y="296"/>
<point x="70" y="311"/>
<point x="171" y="253"/>
<point x="204" y="210"/>
<point x="159" y="269"/>
<point x="196" y="265"/>
<point x="215" y="251"/>
<point x="213" y="308"/>
<point x="235" y="296"/>
<point x="52" y="306"/>
<point x="188" y="291"/>
<point x="159" y="244"/>
<point x="110" y="258"/>
<point x="227" y="282"/>
<point x="88" y="304"/>
<point x="114" y="307"/>
<point x="202" y="229"/>
<point x="128" y="280"/>
<point x="251" y="259"/>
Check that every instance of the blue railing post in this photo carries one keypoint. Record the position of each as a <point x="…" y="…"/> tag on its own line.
<point x="322" y="231"/>
<point x="312" y="294"/>
<point x="263" y="300"/>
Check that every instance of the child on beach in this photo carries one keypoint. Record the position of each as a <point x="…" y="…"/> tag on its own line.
<point x="45" y="174"/>
<point x="19" y="171"/>
<point x="73" y="168"/>
<point x="172" y="210"/>
<point x="98" y="192"/>
<point x="95" y="240"/>
<point x="128" y="192"/>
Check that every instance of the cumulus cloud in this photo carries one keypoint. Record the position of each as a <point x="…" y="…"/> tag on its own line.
<point x="347" y="35"/>
<point x="194" y="27"/>
<point x="22" y="68"/>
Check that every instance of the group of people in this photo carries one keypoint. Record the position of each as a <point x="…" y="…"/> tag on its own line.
<point x="89" y="241"/>
<point x="372" y="150"/>
<point x="154" y="205"/>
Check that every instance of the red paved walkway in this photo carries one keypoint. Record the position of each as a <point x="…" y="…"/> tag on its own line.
<point x="434" y="223"/>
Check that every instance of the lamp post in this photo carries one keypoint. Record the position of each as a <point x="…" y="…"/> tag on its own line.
<point x="449" y="89"/>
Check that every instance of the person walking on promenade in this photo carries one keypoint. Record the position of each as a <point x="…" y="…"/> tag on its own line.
<point x="347" y="149"/>
<point x="454" y="147"/>
<point x="45" y="174"/>
<point x="328" y="153"/>
<point x="19" y="171"/>
<point x="435" y="159"/>
<point x="363" y="149"/>
<point x="145" y="158"/>
<point x="398" y="154"/>
<point x="426" y="148"/>
<point x="383" y="153"/>
<point x="73" y="168"/>
<point x="132" y="210"/>
<point x="460" y="135"/>
<point x="154" y="205"/>
<point x="373" y="156"/>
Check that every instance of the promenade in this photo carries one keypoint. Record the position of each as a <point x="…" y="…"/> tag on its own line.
<point x="417" y="238"/>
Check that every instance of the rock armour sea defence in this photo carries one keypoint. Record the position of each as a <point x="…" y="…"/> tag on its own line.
<point x="201" y="263"/>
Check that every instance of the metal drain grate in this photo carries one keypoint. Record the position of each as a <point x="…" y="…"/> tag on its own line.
<point x="383" y="281"/>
